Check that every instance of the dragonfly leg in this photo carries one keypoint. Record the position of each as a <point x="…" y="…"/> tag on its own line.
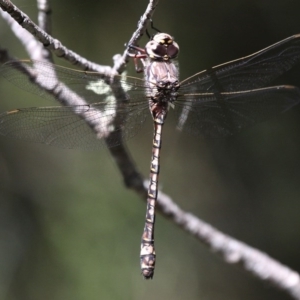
<point x="140" y="56"/>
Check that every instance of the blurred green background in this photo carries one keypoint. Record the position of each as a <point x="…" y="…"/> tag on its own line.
<point x="69" y="229"/>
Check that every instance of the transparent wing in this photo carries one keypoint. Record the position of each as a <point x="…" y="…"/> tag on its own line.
<point x="67" y="127"/>
<point x="91" y="86"/>
<point x="247" y="73"/>
<point x="215" y="115"/>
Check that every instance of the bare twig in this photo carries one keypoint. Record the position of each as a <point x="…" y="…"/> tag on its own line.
<point x="141" y="28"/>
<point x="132" y="178"/>
<point x="44" y="15"/>
<point x="60" y="50"/>
<point x="49" y="42"/>
<point x="232" y="251"/>
<point x="44" y="21"/>
<point x="31" y="45"/>
<point x="37" y="52"/>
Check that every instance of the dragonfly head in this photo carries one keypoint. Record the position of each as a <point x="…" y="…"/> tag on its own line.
<point x="162" y="47"/>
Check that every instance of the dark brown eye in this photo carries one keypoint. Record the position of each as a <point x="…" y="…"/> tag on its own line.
<point x="172" y="51"/>
<point x="162" y="47"/>
<point x="160" y="50"/>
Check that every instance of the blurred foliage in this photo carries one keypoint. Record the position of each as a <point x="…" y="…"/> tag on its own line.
<point x="69" y="229"/>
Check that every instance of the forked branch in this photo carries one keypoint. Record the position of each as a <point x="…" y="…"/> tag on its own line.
<point x="232" y="251"/>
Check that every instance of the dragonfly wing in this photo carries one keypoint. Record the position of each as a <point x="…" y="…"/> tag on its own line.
<point x="250" y="72"/>
<point x="216" y="115"/>
<point x="67" y="127"/>
<point x="117" y="110"/>
<point x="51" y="81"/>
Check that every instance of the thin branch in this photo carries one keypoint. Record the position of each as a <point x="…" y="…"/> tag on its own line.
<point x="132" y="178"/>
<point x="44" y="15"/>
<point x="60" y="50"/>
<point x="36" y="51"/>
<point x="141" y="28"/>
<point x="49" y="42"/>
<point x="31" y="45"/>
<point x="44" y="21"/>
<point x="232" y="251"/>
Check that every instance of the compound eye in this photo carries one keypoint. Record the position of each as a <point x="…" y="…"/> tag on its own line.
<point x="160" y="50"/>
<point x="155" y="50"/>
<point x="172" y="51"/>
<point x="162" y="47"/>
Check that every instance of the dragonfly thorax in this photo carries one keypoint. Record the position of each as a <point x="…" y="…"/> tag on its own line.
<point x="162" y="82"/>
<point x="162" y="47"/>
<point x="161" y="74"/>
<point x="166" y="91"/>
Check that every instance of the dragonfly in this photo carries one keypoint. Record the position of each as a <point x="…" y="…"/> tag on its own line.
<point x="217" y="102"/>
